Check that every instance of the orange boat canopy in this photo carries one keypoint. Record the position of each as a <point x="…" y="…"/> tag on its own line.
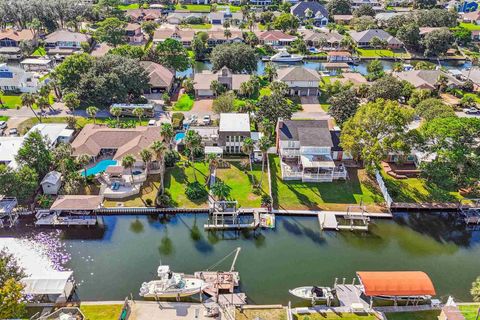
<point x="396" y="283"/>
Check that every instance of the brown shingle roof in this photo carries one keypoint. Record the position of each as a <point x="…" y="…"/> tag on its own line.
<point x="17" y="35"/>
<point x="77" y="203"/>
<point x="275" y="35"/>
<point x="158" y="74"/>
<point x="297" y="74"/>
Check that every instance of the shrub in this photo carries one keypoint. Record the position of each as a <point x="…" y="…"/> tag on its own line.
<point x="163" y="200"/>
<point x="266" y="200"/>
<point x="171" y="157"/>
<point x="149" y="202"/>
<point x="177" y="120"/>
<point x="195" y="191"/>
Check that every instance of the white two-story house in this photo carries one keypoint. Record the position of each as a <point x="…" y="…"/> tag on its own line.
<point x="305" y="151"/>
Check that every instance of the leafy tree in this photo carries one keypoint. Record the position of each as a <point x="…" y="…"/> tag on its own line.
<point x="270" y="71"/>
<point x="12" y="305"/>
<point x="475" y="290"/>
<point x="71" y="70"/>
<point x="199" y="47"/>
<point x="335" y="7"/>
<point x="364" y="10"/>
<point x="217" y="87"/>
<point x="238" y="57"/>
<point x="279" y="88"/>
<point x="128" y="51"/>
<point x="409" y="34"/>
<point x="300" y="46"/>
<point x="418" y="95"/>
<point x="424" y="4"/>
<point x="343" y="105"/>
<point x="363" y="23"/>
<point x="376" y="129"/>
<point x="285" y="22"/>
<point x="189" y="86"/>
<point x="437" y="42"/>
<point x="468" y="101"/>
<point x="221" y="190"/>
<point x="250" y="38"/>
<point x="424" y="65"/>
<point x="149" y="28"/>
<point x="92" y="112"/>
<point x="336" y="87"/>
<point x="432" y="108"/>
<point x="387" y="87"/>
<point x="396" y="22"/>
<point x="224" y="103"/>
<point x="71" y="101"/>
<point x="275" y="106"/>
<point x="462" y="35"/>
<point x="112" y="31"/>
<point x="35" y="153"/>
<point x="436" y="18"/>
<point x="171" y="54"/>
<point x="21" y="183"/>
<point x="375" y="68"/>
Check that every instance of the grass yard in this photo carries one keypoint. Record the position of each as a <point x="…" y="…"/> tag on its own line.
<point x="176" y="180"/>
<point x="417" y="190"/>
<point x="241" y="183"/>
<point x="331" y="315"/>
<point x="383" y="53"/>
<point x="193" y="7"/>
<point x="39" y="52"/>
<point x="337" y="195"/>
<point x="265" y="314"/>
<point x="184" y="103"/>
<point x="4" y="118"/>
<point x="101" y="312"/>
<point x="11" y="101"/>
<point x="131" y="6"/>
<point x="469" y="311"/>
<point x="149" y="191"/>
<point x="470" y="26"/>
<point x="420" y="315"/>
<point x="203" y="26"/>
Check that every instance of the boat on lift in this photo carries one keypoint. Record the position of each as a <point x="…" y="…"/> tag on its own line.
<point x="171" y="285"/>
<point x="313" y="293"/>
<point x="284" y="56"/>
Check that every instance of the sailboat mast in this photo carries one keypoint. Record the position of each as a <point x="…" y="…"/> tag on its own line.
<point x="235" y="259"/>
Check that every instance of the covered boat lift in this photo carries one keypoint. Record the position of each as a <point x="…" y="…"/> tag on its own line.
<point x="49" y="288"/>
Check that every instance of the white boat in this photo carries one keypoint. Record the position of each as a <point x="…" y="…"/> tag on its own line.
<point x="284" y="56"/>
<point x="313" y="293"/>
<point x="171" y="285"/>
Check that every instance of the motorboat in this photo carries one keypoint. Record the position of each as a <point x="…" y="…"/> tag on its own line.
<point x="171" y="285"/>
<point x="284" y="56"/>
<point x="313" y="293"/>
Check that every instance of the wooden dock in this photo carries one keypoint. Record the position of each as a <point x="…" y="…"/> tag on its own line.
<point x="237" y="299"/>
<point x="348" y="294"/>
<point x="328" y="221"/>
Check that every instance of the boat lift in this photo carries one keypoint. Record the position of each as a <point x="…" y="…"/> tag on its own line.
<point x="8" y="214"/>
<point x="226" y="216"/>
<point x="471" y="213"/>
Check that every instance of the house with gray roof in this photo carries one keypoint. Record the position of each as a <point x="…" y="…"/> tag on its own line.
<point x="225" y="76"/>
<point x="64" y="42"/>
<point x="306" y="10"/>
<point x="305" y="151"/>
<point x="426" y="79"/>
<point x="300" y="80"/>
<point x="363" y="38"/>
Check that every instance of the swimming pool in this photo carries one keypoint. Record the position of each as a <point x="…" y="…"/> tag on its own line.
<point x="179" y="136"/>
<point x="101" y="166"/>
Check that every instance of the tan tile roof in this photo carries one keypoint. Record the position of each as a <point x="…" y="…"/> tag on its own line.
<point x="158" y="74"/>
<point x="297" y="74"/>
<point x="275" y="35"/>
<point x="66" y="35"/>
<point x="93" y="138"/>
<point x="132" y="26"/>
<point x="17" y="35"/>
<point x="202" y="80"/>
<point x="76" y="202"/>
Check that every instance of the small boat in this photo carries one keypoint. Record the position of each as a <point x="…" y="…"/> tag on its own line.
<point x="284" y="56"/>
<point x="171" y="285"/>
<point x="313" y="293"/>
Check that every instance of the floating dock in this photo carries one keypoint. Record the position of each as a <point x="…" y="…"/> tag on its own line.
<point x="350" y="220"/>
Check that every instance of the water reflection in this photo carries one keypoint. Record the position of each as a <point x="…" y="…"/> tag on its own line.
<point x="137" y="226"/>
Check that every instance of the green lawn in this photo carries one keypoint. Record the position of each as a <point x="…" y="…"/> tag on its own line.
<point x="193" y="7"/>
<point x="337" y="195"/>
<point x="131" y="6"/>
<point x="470" y="26"/>
<point x="176" y="180"/>
<point x="241" y="183"/>
<point x="39" y="52"/>
<point x="11" y="101"/>
<point x="101" y="312"/>
<point x="469" y="311"/>
<point x="332" y="315"/>
<point x="184" y="103"/>
<point x="380" y="53"/>
<point x="203" y="26"/>
<point x="417" y="190"/>
<point x="4" y="118"/>
<point x="420" y="315"/>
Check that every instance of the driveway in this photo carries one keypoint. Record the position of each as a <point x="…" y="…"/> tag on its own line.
<point x="311" y="110"/>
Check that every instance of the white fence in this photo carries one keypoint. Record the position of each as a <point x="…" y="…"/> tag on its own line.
<point x="383" y="188"/>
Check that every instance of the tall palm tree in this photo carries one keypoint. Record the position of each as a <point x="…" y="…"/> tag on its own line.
<point x="28" y="100"/>
<point x="83" y="160"/>
<point x="221" y="190"/>
<point x="263" y="144"/>
<point x="127" y="162"/>
<point x="2" y="93"/>
<point x="247" y="148"/>
<point x="193" y="142"/>
<point x="116" y="112"/>
<point x="212" y="165"/>
<point x="158" y="147"/>
<point x="168" y="133"/>
<point x="138" y="112"/>
<point x="92" y="112"/>
<point x="146" y="156"/>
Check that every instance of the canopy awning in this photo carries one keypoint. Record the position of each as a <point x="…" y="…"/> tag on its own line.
<point x="48" y="283"/>
<point x="309" y="161"/>
<point x="77" y="202"/>
<point x="213" y="150"/>
<point x="396" y="283"/>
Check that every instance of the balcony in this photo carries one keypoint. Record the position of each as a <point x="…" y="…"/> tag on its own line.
<point x="289" y="153"/>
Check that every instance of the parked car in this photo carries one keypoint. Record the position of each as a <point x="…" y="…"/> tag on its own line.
<point x="3" y="124"/>
<point x="207" y="120"/>
<point x="471" y="111"/>
<point x="13" y="132"/>
<point x="152" y="123"/>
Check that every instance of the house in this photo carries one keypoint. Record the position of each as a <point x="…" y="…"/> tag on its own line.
<point x="320" y="39"/>
<point x="472" y="17"/>
<point x="426" y="79"/>
<point x="231" y="81"/>
<point x="260" y="2"/>
<point x="64" y="42"/>
<point x="306" y="10"/>
<point x="216" y="37"/>
<point x="37" y="64"/>
<point x="474" y="75"/>
<point x="220" y="17"/>
<point x="305" y="151"/>
<point x="133" y="32"/>
<point x="55" y="133"/>
<point x="339" y="56"/>
<point x="475" y="35"/>
<point x="183" y="36"/>
<point x="160" y="77"/>
<point x="17" y="80"/>
<point x="342" y="18"/>
<point x="100" y="50"/>
<point x="233" y="130"/>
<point x="275" y="38"/>
<point x="355" y="78"/>
<point x="364" y="38"/>
<point x="9" y="147"/>
<point x="140" y="15"/>
<point x="51" y="183"/>
<point x="375" y="4"/>
<point x="179" y="17"/>
<point x="300" y="80"/>
<point x="338" y="154"/>
<point x="10" y="40"/>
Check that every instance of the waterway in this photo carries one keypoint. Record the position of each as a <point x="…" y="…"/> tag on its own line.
<point x="111" y="262"/>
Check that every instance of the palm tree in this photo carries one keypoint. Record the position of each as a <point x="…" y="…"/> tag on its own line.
<point x="270" y="71"/>
<point x="158" y="147"/>
<point x="263" y="144"/>
<point x="248" y="107"/>
<point x="138" y="112"/>
<point x="193" y="142"/>
<point x="92" y="112"/>
<point x="220" y="190"/>
<point x="116" y="112"/>
<point x="168" y="133"/>
<point x="127" y="162"/>
<point x="212" y="165"/>
<point x="475" y="290"/>
<point x="227" y="33"/>
<point x="28" y="100"/>
<point x="442" y="83"/>
<point x="83" y="160"/>
<point x="2" y="93"/>
<point x="247" y="148"/>
<point x="146" y="156"/>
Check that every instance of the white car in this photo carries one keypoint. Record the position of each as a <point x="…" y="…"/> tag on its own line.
<point x="13" y="132"/>
<point x="152" y="123"/>
<point x="471" y="111"/>
<point x="207" y="120"/>
<point x="3" y="124"/>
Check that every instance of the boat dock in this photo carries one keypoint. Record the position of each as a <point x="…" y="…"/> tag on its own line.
<point x="353" y="219"/>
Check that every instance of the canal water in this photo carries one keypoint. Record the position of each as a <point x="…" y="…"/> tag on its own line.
<point x="111" y="262"/>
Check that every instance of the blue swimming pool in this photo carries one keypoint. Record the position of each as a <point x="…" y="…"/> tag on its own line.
<point x="101" y="166"/>
<point x="179" y="136"/>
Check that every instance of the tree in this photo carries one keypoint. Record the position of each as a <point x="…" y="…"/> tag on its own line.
<point x="270" y="71"/>
<point x="376" y="129"/>
<point x="424" y="4"/>
<point x="224" y="103"/>
<point x="35" y="153"/>
<point x="436" y="18"/>
<point x="273" y="107"/>
<point x="193" y="142"/>
<point x="364" y="23"/>
<point x="188" y="86"/>
<point x="308" y="13"/>
<point x="339" y="7"/>
<point x="343" y="105"/>
<point x="285" y="22"/>
<point x="263" y="144"/>
<point x="28" y="100"/>
<point x="387" y="87"/>
<point x="250" y="38"/>
<point x="437" y="42"/>
<point x="11" y="302"/>
<point x="375" y="67"/>
<point x="127" y="162"/>
<point x="21" y="183"/>
<point x="138" y="112"/>
<point x="418" y="95"/>
<point x="227" y="33"/>
<point x="149" y="28"/>
<point x="364" y="10"/>
<point x="299" y="45"/>
<point x="247" y="89"/>
<point x="159" y="148"/>
<point x="146" y="156"/>
<point x="83" y="160"/>
<point x="220" y="190"/>
<point x="199" y="47"/>
<point x="475" y="290"/>
<point x="409" y="34"/>
<point x="279" y="88"/>
<point x="462" y="35"/>
<point x="247" y="148"/>
<point x="238" y="57"/>
<point x="166" y="129"/>
<point x="116" y="112"/>
<point x="468" y="101"/>
<point x="432" y="108"/>
<point x="128" y="51"/>
<point x="112" y="31"/>
<point x="71" y="101"/>
<point x="92" y="112"/>
<point x="71" y="70"/>
<point x="217" y="87"/>
<point x="171" y="54"/>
